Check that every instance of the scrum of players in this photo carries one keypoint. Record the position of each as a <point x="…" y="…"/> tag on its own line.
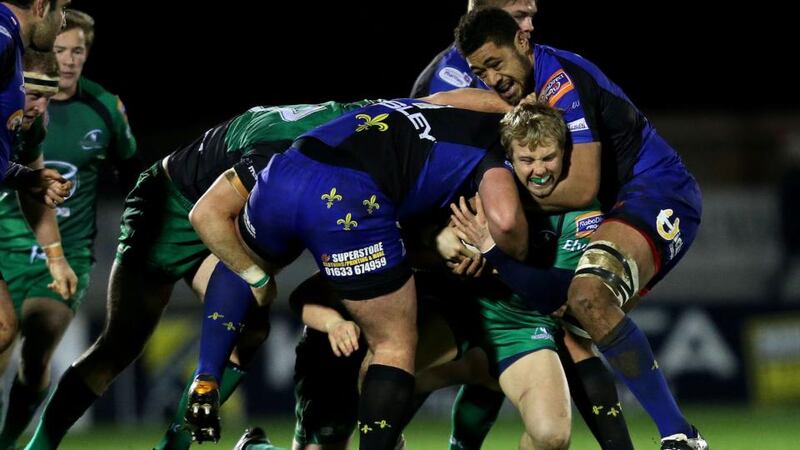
<point x="491" y="231"/>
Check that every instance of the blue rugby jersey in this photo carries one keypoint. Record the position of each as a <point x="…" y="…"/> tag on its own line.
<point x="597" y="110"/>
<point x="412" y="149"/>
<point x="449" y="70"/>
<point x="12" y="89"/>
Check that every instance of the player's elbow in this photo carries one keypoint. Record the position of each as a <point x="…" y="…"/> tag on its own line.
<point x="505" y="220"/>
<point x="510" y="232"/>
<point x="200" y="215"/>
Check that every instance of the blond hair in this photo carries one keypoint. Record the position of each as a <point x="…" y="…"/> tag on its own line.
<point x="532" y="125"/>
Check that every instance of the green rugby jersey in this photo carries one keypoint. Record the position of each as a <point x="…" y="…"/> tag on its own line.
<point x="84" y="134"/>
<point x="558" y="240"/>
<point x="246" y="143"/>
<point x="27" y="146"/>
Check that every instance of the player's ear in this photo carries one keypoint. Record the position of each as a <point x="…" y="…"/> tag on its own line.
<point x="522" y="42"/>
<point x="40" y="8"/>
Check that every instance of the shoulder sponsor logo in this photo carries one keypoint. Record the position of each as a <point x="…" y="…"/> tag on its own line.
<point x="555" y="87"/>
<point x="455" y="77"/>
<point x="92" y="140"/>
<point x="585" y="224"/>
<point x="14" y="120"/>
<point x="577" y="125"/>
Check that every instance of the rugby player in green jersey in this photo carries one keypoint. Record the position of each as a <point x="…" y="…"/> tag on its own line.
<point x="520" y="343"/>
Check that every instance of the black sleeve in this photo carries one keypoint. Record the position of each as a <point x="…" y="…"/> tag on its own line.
<point x="543" y="290"/>
<point x="256" y="159"/>
<point x="15" y="176"/>
<point x="495" y="157"/>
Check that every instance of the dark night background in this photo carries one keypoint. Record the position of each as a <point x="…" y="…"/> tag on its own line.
<point x="716" y="78"/>
<point x="182" y="66"/>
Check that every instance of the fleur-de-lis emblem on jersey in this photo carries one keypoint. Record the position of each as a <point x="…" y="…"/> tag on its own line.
<point x="655" y="365"/>
<point x="614" y="412"/>
<point x="229" y="326"/>
<point x="383" y="424"/>
<point x="365" y="429"/>
<point x="215" y="315"/>
<point x="371" y="204"/>
<point x="331" y="197"/>
<point x="596" y="409"/>
<point x="370" y="122"/>
<point x="347" y="222"/>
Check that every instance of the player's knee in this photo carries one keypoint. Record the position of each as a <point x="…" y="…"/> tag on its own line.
<point x="606" y="265"/>
<point x="549" y="432"/>
<point x="46" y="324"/>
<point x="34" y="369"/>
<point x="552" y="439"/>
<point x="589" y="298"/>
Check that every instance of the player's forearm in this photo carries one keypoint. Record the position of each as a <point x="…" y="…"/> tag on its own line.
<point x="320" y="317"/>
<point x="543" y="290"/>
<point x="41" y="219"/>
<point x="470" y="98"/>
<point x="217" y="229"/>
<point x="214" y="219"/>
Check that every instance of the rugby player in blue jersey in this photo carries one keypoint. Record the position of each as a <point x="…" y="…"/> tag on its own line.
<point x="651" y="201"/>
<point x="449" y="70"/>
<point x="23" y="24"/>
<point x="339" y="191"/>
<point x="591" y="384"/>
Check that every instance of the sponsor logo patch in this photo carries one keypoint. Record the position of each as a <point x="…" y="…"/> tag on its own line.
<point x="541" y="334"/>
<point x="354" y="262"/>
<point x="670" y="231"/>
<point x="455" y="77"/>
<point x="585" y="224"/>
<point x="14" y="120"/>
<point x="556" y="87"/>
<point x="92" y="140"/>
<point x="577" y="125"/>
